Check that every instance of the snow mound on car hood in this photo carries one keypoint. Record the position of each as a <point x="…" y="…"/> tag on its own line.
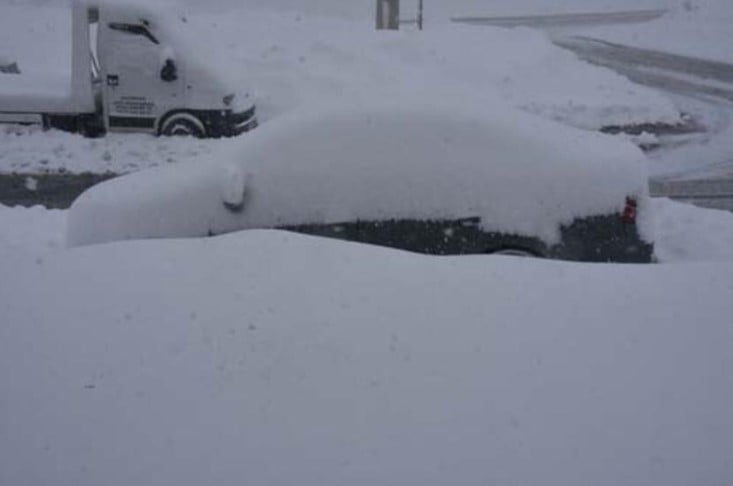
<point x="518" y="173"/>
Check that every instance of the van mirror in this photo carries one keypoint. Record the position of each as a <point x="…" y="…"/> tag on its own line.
<point x="169" y="72"/>
<point x="134" y="29"/>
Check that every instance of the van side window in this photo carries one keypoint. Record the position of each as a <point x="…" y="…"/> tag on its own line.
<point x="134" y="30"/>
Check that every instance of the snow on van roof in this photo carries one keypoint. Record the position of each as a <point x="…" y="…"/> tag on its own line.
<point x="519" y="173"/>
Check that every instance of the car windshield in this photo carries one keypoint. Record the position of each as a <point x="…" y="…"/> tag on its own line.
<point x="378" y="242"/>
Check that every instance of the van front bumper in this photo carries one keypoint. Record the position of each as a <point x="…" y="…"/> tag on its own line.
<point x="238" y="123"/>
<point x="228" y="123"/>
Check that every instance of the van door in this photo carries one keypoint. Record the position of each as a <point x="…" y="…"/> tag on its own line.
<point x="140" y="77"/>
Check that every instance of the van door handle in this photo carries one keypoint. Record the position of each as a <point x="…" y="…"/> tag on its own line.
<point x="113" y="80"/>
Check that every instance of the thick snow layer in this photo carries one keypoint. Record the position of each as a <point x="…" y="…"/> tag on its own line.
<point x="518" y="173"/>
<point x="272" y="358"/>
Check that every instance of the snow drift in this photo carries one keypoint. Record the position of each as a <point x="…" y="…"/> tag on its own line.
<point x="273" y="358"/>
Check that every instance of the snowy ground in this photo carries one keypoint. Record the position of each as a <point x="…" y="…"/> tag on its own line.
<point x="273" y="358"/>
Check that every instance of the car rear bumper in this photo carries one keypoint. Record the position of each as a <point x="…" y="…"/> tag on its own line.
<point x="603" y="239"/>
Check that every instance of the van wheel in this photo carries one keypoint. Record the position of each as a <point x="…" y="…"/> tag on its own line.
<point x="90" y="126"/>
<point x="183" y="124"/>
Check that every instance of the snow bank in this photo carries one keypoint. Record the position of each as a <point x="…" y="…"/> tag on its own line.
<point x="413" y="161"/>
<point x="292" y="60"/>
<point x="30" y="231"/>
<point x="272" y="358"/>
<point x="686" y="233"/>
<point x="31" y="150"/>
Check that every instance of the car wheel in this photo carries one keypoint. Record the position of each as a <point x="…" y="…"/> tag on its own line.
<point x="517" y="252"/>
<point x="183" y="124"/>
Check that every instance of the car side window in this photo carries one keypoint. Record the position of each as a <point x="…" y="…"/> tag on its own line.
<point x="134" y="29"/>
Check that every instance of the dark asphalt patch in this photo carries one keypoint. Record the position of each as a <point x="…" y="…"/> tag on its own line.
<point x="668" y="131"/>
<point x="52" y="190"/>
<point x="688" y="126"/>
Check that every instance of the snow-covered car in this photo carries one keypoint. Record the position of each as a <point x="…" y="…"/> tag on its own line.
<point x="430" y="179"/>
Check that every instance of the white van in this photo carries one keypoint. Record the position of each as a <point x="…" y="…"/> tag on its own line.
<point x="127" y="75"/>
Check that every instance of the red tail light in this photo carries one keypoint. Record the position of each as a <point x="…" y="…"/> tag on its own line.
<point x="629" y="215"/>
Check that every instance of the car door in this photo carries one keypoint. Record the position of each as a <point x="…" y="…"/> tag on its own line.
<point x="137" y="92"/>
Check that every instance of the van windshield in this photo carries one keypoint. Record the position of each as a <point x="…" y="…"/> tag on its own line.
<point x="134" y="29"/>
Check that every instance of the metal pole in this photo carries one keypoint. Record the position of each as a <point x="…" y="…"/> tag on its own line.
<point x="388" y="14"/>
<point x="419" y="15"/>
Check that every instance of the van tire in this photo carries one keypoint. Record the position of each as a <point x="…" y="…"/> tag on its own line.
<point x="90" y="126"/>
<point x="183" y="124"/>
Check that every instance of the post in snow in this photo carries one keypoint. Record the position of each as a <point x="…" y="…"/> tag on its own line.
<point x="419" y="15"/>
<point x="388" y="14"/>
